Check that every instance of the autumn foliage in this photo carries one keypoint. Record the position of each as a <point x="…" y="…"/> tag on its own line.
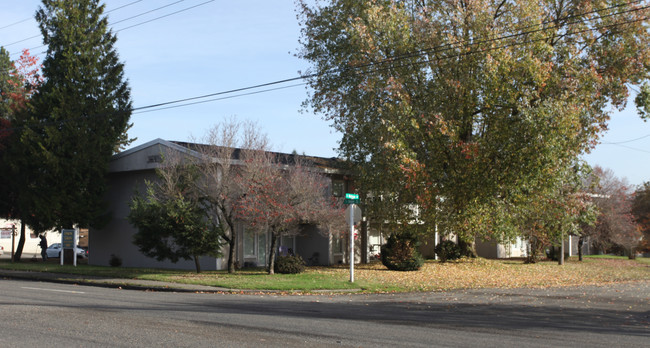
<point x="470" y="109"/>
<point x="25" y="80"/>
<point x="21" y="81"/>
<point x="281" y="195"/>
<point x="641" y="213"/>
<point x="615" y="228"/>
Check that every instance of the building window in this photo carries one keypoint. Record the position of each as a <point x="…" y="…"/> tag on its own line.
<point x="255" y="246"/>
<point x="249" y="243"/>
<point x="154" y="159"/>
<point x="338" y="188"/>
<point x="338" y="243"/>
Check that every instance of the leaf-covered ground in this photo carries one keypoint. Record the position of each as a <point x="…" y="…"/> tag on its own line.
<point x="434" y="276"/>
<point x="482" y="273"/>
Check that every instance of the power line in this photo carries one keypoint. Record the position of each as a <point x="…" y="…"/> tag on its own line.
<point x="142" y="110"/>
<point x="39" y="35"/>
<point x="129" y="27"/>
<point x="632" y="148"/>
<point x="303" y="77"/>
<point x="460" y="44"/>
<point x="22" y="40"/>
<point x="626" y="141"/>
<point x="123" y="6"/>
<point x="159" y="105"/>
<point x="166" y="104"/>
<point x="407" y="55"/>
<point x="167" y="15"/>
<point x="147" y="12"/>
<point x="135" y="25"/>
<point x="230" y="91"/>
<point x="12" y="24"/>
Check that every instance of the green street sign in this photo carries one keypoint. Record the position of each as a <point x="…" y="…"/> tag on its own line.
<point x="351" y="201"/>
<point x="351" y="196"/>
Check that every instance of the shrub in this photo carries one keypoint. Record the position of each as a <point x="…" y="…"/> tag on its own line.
<point x="447" y="250"/>
<point x="400" y="253"/>
<point x="289" y="265"/>
<point x="115" y="261"/>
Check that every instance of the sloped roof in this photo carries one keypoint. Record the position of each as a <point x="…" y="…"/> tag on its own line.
<point x="142" y="157"/>
<point x="284" y="158"/>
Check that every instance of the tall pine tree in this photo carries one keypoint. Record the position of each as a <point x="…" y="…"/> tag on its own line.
<point x="81" y="112"/>
<point x="6" y="88"/>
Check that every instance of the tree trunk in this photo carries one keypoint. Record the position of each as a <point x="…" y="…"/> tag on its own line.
<point x="274" y="241"/>
<point x="231" y="253"/>
<point x="581" y="242"/>
<point x="197" y="264"/>
<point x="467" y="248"/>
<point x="364" y="242"/>
<point x="232" y="241"/>
<point x="533" y="247"/>
<point x="21" y="242"/>
<point x="560" y="257"/>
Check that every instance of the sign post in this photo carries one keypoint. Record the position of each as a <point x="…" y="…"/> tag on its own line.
<point x="13" y="242"/>
<point x="352" y="216"/>
<point x="69" y="241"/>
<point x="351" y="198"/>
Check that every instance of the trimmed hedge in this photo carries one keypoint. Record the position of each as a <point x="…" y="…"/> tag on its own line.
<point x="448" y="250"/>
<point x="400" y="253"/>
<point x="289" y="265"/>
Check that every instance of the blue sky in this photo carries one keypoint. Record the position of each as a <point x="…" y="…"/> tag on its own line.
<point x="223" y="45"/>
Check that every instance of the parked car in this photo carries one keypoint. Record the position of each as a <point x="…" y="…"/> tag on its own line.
<point x="82" y="252"/>
<point x="54" y="250"/>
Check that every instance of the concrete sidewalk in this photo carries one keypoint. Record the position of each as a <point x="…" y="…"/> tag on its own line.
<point x="133" y="284"/>
<point x="139" y="284"/>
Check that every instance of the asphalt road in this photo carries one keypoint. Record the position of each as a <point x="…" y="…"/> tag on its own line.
<point x="58" y="315"/>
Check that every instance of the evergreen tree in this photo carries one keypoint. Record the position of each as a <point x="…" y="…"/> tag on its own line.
<point x="173" y="219"/>
<point x="5" y="126"/>
<point x="5" y="69"/>
<point x="80" y="113"/>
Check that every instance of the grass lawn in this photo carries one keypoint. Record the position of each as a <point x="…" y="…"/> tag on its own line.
<point x="466" y="273"/>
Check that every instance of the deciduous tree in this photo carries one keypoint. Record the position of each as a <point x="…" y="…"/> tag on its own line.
<point x="281" y="195"/>
<point x="464" y="106"/>
<point x="226" y="147"/>
<point x="18" y="169"/>
<point x="615" y="225"/>
<point x="554" y="211"/>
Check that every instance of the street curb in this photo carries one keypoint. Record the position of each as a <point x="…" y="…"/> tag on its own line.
<point x="126" y="284"/>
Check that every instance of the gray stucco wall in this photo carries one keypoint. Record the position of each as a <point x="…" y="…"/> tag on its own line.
<point x="117" y="236"/>
<point x="488" y="250"/>
<point x="128" y="172"/>
<point x="310" y="242"/>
